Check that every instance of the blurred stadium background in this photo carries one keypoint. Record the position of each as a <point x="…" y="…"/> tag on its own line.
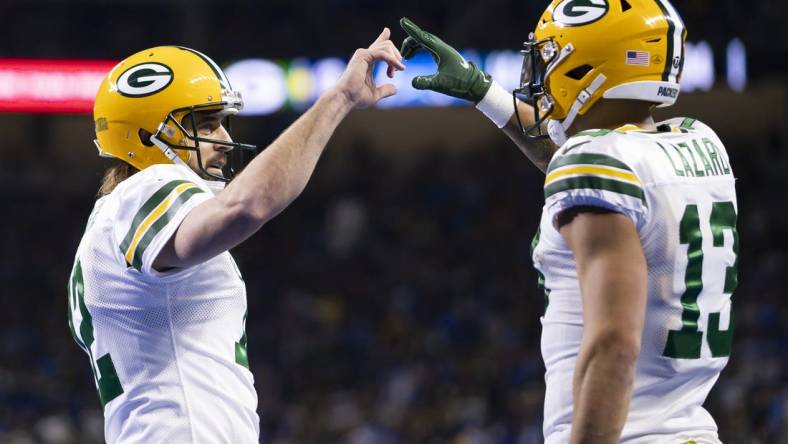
<point x="394" y="301"/>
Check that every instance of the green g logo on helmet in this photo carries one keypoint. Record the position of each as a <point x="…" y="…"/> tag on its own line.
<point x="144" y="79"/>
<point x="579" y="12"/>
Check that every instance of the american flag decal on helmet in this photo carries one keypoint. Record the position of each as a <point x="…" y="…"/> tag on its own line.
<point x="638" y="58"/>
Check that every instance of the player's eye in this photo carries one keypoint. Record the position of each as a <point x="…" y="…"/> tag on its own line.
<point x="207" y="127"/>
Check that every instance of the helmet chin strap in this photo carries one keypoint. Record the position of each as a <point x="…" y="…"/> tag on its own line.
<point x="169" y="152"/>
<point x="557" y="128"/>
<point x="556" y="132"/>
<point x="215" y="185"/>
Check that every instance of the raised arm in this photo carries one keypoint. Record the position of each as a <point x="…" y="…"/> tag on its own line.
<point x="279" y="174"/>
<point x="460" y="78"/>
<point x="538" y="151"/>
<point x="612" y="273"/>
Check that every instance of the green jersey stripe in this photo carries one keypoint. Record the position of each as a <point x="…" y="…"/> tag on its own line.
<point x="147" y="207"/>
<point x="160" y="223"/>
<point x="594" y="183"/>
<point x="687" y="123"/>
<point x="587" y="159"/>
<point x="569" y="148"/>
<point x="594" y="132"/>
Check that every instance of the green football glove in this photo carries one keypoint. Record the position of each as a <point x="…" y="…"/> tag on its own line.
<point x="456" y="76"/>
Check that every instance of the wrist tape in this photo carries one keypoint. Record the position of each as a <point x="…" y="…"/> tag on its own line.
<point x="497" y="105"/>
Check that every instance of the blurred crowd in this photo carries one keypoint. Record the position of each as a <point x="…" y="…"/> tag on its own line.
<point x="393" y="302"/>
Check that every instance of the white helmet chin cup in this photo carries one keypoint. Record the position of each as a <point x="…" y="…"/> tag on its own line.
<point x="557" y="128"/>
<point x="556" y="131"/>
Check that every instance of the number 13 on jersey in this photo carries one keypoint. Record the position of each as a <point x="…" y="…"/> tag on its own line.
<point x="686" y="342"/>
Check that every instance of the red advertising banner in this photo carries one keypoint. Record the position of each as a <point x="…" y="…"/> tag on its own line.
<point x="50" y="86"/>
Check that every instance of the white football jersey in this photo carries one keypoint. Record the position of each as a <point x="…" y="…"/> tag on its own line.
<point x="677" y="187"/>
<point x="168" y="349"/>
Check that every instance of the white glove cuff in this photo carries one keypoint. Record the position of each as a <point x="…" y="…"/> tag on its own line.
<point x="497" y="105"/>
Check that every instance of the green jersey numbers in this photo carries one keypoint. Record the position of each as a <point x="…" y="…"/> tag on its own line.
<point x="540" y="280"/>
<point x="80" y="322"/>
<point x="686" y="342"/>
<point x="241" y="354"/>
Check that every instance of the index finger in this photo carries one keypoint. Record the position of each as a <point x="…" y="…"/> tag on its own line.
<point x="383" y="36"/>
<point x="412" y="29"/>
<point x="425" y="39"/>
<point x="387" y="56"/>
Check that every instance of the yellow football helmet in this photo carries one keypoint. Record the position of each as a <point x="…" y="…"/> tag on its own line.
<point x="585" y="50"/>
<point x="150" y="93"/>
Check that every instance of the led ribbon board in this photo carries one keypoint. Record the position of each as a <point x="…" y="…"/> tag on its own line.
<point x="50" y="86"/>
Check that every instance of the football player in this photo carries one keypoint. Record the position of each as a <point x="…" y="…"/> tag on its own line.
<point x="637" y="247"/>
<point x="155" y="298"/>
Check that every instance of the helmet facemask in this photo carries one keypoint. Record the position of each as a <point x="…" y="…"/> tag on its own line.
<point x="539" y="58"/>
<point x="171" y="135"/>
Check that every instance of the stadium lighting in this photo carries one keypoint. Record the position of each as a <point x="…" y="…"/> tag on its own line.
<point x="736" y="65"/>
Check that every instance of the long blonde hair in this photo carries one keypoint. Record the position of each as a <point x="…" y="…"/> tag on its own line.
<point x="114" y="175"/>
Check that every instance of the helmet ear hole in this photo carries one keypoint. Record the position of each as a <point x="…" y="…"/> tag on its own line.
<point x="579" y="72"/>
<point x="625" y="6"/>
<point x="145" y="136"/>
